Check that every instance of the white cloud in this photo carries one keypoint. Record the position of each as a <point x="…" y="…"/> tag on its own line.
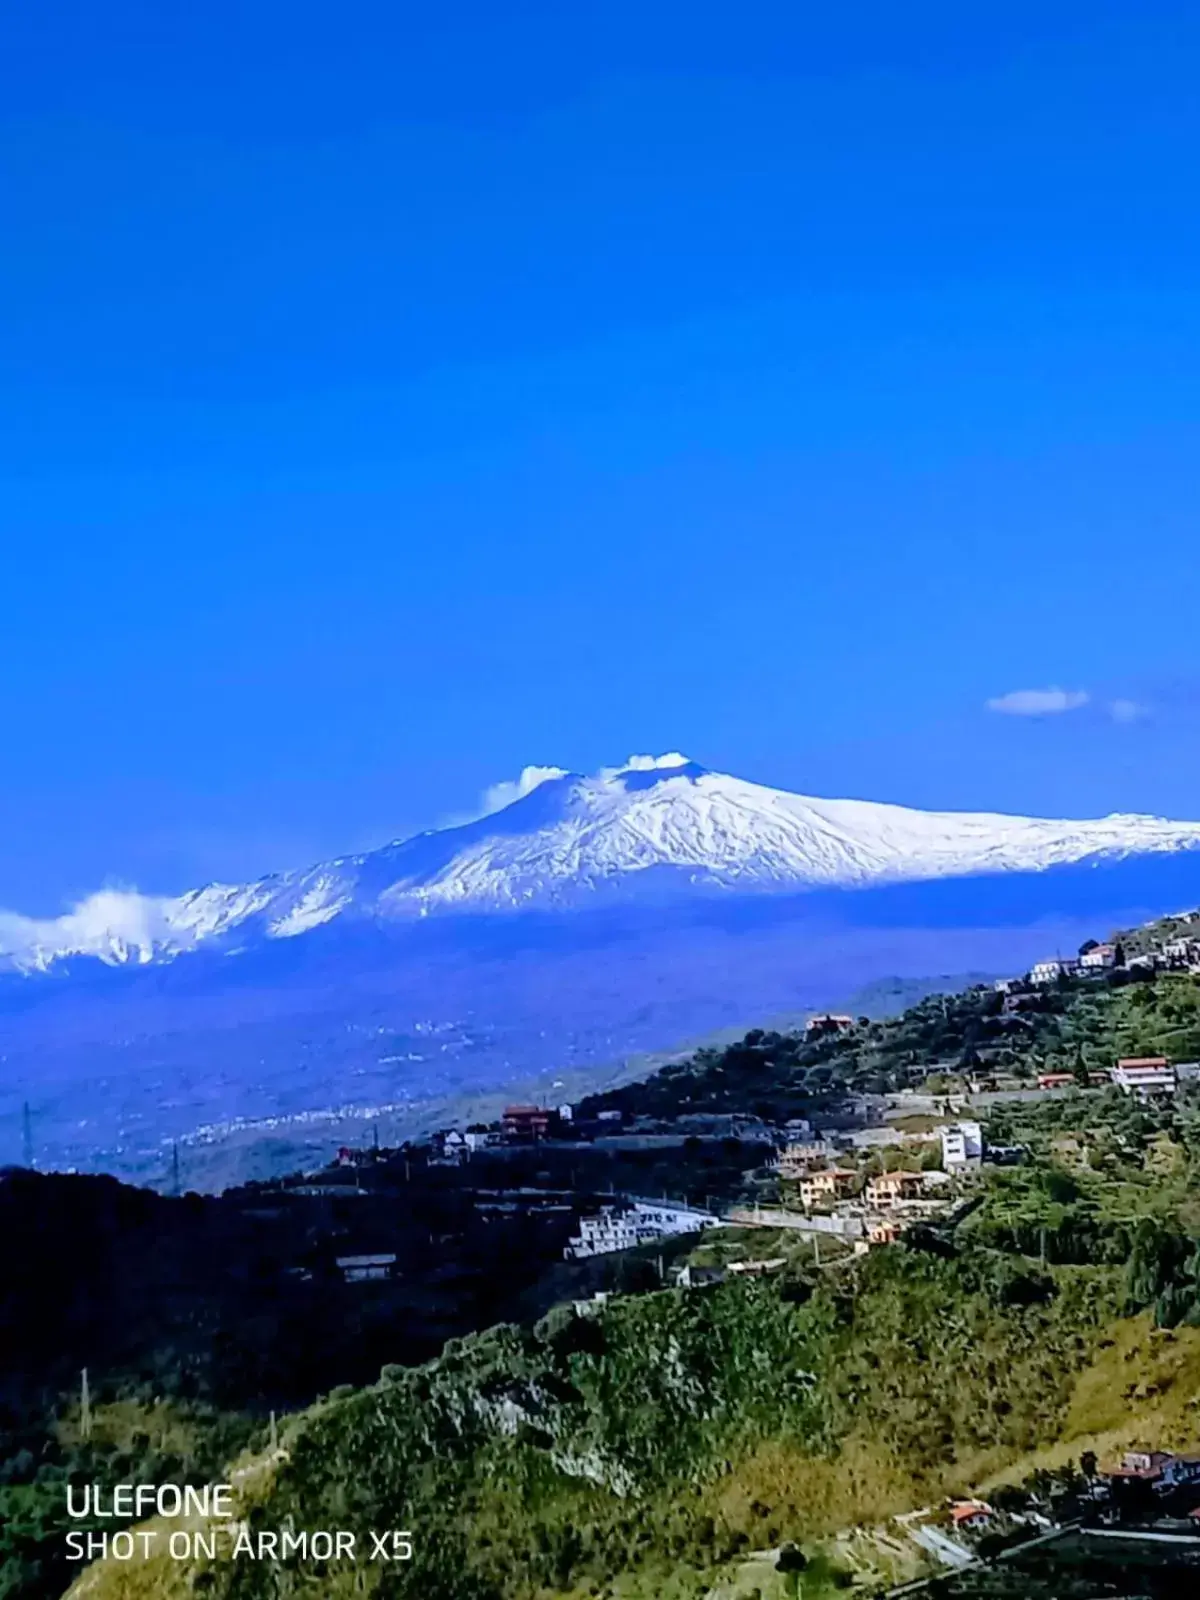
<point x="646" y="764"/>
<point x="103" y="924"/>
<point x="1127" y="710"/>
<point x="1038" y="702"/>
<point x="500" y="795"/>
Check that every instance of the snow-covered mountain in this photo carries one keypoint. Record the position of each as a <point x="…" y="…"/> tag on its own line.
<point x="656" y="827"/>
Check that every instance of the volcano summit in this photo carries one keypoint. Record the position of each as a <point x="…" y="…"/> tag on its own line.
<point x="661" y="828"/>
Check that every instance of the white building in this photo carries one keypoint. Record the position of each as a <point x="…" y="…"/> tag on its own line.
<point x="642" y="1222"/>
<point x="962" y="1145"/>
<point x="1045" y="972"/>
<point x="1099" y="958"/>
<point x="607" y="1230"/>
<point x="1145" y="1076"/>
<point x="660" y="1219"/>
<point x="363" y="1269"/>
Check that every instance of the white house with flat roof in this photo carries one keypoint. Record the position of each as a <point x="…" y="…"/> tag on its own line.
<point x="1145" y="1076"/>
<point x="962" y="1145"/>
<point x="1047" y="972"/>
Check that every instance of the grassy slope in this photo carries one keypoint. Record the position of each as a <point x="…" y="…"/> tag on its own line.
<point x="671" y="1434"/>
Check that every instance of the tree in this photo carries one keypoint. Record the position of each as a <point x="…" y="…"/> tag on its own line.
<point x="792" y="1563"/>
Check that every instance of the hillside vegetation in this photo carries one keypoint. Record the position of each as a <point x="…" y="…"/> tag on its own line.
<point x="1081" y="1023"/>
<point x="644" y="1447"/>
<point x="659" y="1439"/>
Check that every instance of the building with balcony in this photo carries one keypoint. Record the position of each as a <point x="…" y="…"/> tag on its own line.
<point x="1146" y="1076"/>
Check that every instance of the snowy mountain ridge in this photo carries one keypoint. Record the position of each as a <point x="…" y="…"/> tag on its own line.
<point x="656" y="825"/>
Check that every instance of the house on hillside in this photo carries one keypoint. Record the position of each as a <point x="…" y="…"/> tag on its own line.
<point x="971" y="1515"/>
<point x="1137" y="1466"/>
<point x="756" y="1269"/>
<point x="826" y="1188"/>
<point x="367" y="1268"/>
<point x="525" y="1124"/>
<point x="891" y="1189"/>
<point x="797" y="1159"/>
<point x="1162" y="1470"/>
<point x="830" y="1022"/>
<point x="611" y="1228"/>
<point x="1148" y="1077"/>
<point x="1100" y="958"/>
<point x="622" y="1226"/>
<point x="1056" y="1080"/>
<point x="962" y="1145"/>
<point x="1044" y="973"/>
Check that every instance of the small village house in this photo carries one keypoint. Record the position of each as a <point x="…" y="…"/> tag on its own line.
<point x="962" y="1145"/>
<point x="825" y="1188"/>
<point x="1138" y="1466"/>
<point x="1056" y="1080"/>
<point x="756" y="1269"/>
<point x="622" y="1226"/>
<point x="797" y="1159"/>
<point x="525" y="1124"/>
<point x="1148" y="1077"/>
<point x="367" y="1268"/>
<point x="971" y="1514"/>
<point x="830" y="1022"/>
<point x="1100" y="958"/>
<point x="1043" y="973"/>
<point x="891" y="1189"/>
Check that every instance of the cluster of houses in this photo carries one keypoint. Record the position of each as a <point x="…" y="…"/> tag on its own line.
<point x="520" y="1126"/>
<point x="1178" y="954"/>
<point x="1147" y="1077"/>
<point x="1142" y="1481"/>
<point x="1160" y="1470"/>
<point x="882" y="1202"/>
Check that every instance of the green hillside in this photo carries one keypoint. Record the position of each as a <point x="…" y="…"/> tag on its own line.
<point x="643" y="1448"/>
<point x="1088" y="1022"/>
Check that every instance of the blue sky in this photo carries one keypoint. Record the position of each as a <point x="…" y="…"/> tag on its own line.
<point x="392" y="399"/>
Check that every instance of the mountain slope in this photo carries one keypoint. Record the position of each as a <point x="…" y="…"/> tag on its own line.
<point x="657" y="828"/>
